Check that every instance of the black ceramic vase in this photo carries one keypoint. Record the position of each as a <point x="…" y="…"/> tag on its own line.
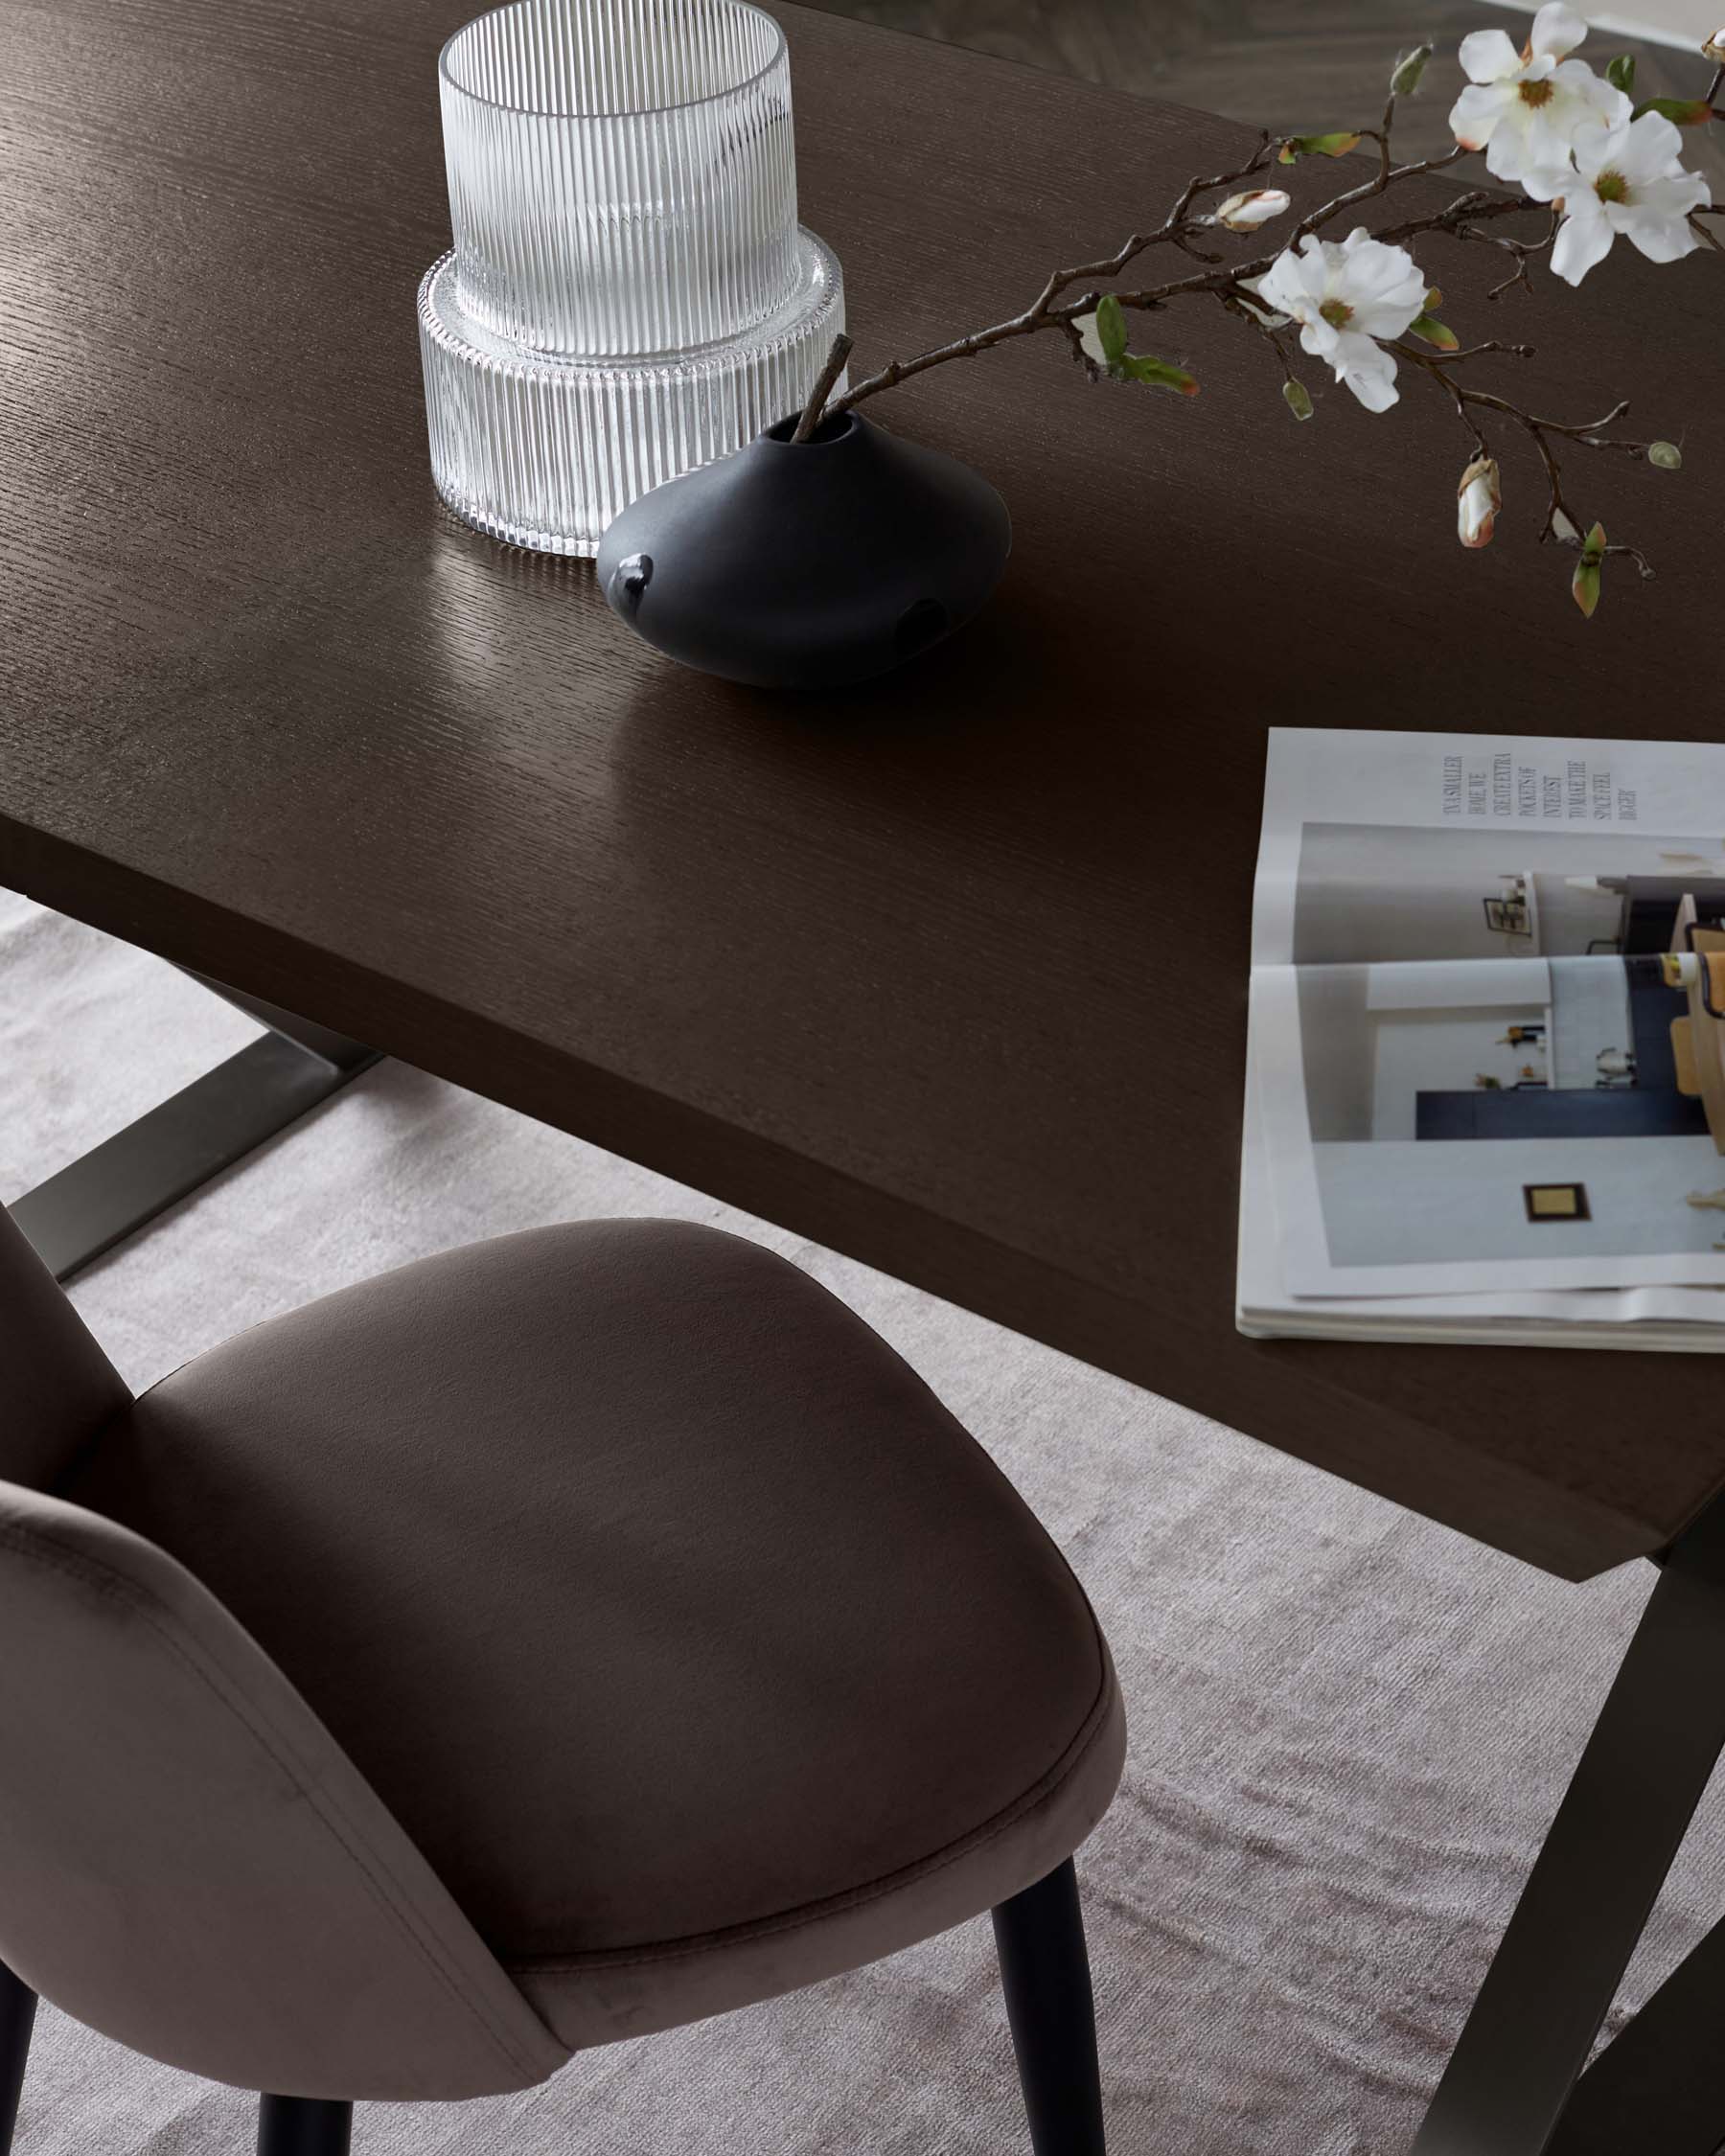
<point x="807" y="564"/>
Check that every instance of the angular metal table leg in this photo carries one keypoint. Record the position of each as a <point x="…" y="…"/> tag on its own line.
<point x="1660" y="2083"/>
<point x="114" y="1189"/>
<point x="1593" y="1886"/>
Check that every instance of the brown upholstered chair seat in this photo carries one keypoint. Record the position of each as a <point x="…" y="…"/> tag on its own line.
<point x="697" y="1647"/>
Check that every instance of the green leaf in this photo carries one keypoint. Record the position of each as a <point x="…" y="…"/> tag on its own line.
<point x="1686" y="112"/>
<point x="1584" y="585"/>
<point x="1317" y="145"/>
<point x="1665" y="455"/>
<point x="1124" y="365"/>
<point x="1404" y="79"/>
<point x="1297" y="397"/>
<point x="1620" y="74"/>
<point x="1434" y="331"/>
<point x="1111" y="329"/>
<point x="1158" y="373"/>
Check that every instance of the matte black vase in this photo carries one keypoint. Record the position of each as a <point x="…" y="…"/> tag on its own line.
<point x="807" y="564"/>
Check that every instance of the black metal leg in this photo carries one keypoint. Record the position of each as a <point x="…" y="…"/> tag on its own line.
<point x="303" y="2126"/>
<point x="1661" y="2083"/>
<point x="1044" y="1973"/>
<point x="17" y="2017"/>
<point x="1593" y="1886"/>
<point x="117" y="1186"/>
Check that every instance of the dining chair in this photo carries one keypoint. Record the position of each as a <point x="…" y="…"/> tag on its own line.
<point x="552" y="1641"/>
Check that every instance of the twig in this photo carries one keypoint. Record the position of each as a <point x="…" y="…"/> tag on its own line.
<point x="1050" y="310"/>
<point x="1590" y="434"/>
<point x="1465" y="207"/>
<point x="1441" y="358"/>
<point x="1043" y="314"/>
<point x="1386" y="176"/>
<point x="838" y="353"/>
<point x="1240" y="304"/>
<point x="1461" y="212"/>
<point x="1522" y="249"/>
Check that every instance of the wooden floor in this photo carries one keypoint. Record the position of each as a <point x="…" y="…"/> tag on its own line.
<point x="1285" y="64"/>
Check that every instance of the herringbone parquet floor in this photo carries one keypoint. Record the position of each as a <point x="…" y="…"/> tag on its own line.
<point x="1284" y="64"/>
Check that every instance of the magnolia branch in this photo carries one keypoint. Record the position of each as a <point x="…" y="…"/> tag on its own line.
<point x="1523" y="250"/>
<point x="1561" y="521"/>
<point x="1070" y="298"/>
<point x="1051" y="309"/>
<point x="1043" y="314"/>
<point x="1237" y="305"/>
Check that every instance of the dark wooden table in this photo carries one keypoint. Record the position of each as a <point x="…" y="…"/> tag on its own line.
<point x="948" y="974"/>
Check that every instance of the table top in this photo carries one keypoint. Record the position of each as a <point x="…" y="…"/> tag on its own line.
<point x="948" y="973"/>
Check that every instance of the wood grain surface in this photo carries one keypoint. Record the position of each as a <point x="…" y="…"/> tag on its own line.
<point x="1290" y="65"/>
<point x="948" y="973"/>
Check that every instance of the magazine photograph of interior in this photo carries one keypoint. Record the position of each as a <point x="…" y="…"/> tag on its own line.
<point x="1497" y="1048"/>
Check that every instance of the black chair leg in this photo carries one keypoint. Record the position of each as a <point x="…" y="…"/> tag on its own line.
<point x="303" y="2126"/>
<point x="17" y="2018"/>
<point x="1044" y="1973"/>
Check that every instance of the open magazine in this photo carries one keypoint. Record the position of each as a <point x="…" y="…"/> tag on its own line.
<point x="1486" y="1088"/>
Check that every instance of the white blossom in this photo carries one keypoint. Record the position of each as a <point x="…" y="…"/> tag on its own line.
<point x="1629" y="179"/>
<point x="1477" y="499"/>
<point x="1345" y="298"/>
<point x="1245" y="212"/>
<point x="1523" y="108"/>
<point x="1090" y="337"/>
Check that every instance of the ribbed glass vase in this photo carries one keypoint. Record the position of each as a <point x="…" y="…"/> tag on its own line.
<point x="629" y="293"/>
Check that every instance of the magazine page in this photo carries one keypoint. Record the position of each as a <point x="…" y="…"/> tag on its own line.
<point x="1482" y="1040"/>
<point x="1369" y="840"/>
<point x="1668" y="1316"/>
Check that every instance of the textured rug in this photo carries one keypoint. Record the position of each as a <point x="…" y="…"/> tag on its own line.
<point x="1349" y="1728"/>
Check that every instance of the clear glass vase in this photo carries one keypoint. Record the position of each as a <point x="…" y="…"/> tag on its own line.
<point x="629" y="293"/>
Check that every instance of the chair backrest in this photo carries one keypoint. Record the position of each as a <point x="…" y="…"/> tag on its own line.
<point x="189" y="1860"/>
<point x="56" y="1387"/>
<point x="192" y="1864"/>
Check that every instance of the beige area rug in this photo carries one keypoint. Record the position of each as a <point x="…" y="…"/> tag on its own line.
<point x="1349" y="1728"/>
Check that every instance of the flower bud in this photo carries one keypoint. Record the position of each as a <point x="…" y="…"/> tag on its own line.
<point x="1477" y="500"/>
<point x="1666" y="455"/>
<point x="1683" y="112"/>
<point x="1404" y="80"/>
<point x="1245" y="212"/>
<point x="1297" y="397"/>
<point x="1714" y="48"/>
